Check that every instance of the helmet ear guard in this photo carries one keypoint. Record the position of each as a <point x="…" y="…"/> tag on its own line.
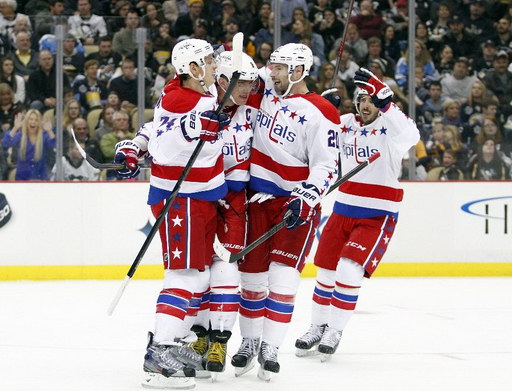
<point x="358" y="94"/>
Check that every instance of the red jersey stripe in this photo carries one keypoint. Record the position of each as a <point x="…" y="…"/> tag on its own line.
<point x="372" y="191"/>
<point x="198" y="174"/>
<point x="288" y="173"/>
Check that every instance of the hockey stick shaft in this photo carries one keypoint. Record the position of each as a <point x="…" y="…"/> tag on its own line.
<point x="170" y="199"/>
<point x="342" y="43"/>
<point x="235" y="257"/>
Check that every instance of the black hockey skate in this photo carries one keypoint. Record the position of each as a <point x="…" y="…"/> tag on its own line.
<point x="216" y="356"/>
<point x="268" y="361"/>
<point x="307" y="344"/>
<point x="329" y="343"/>
<point x="163" y="370"/>
<point x="243" y="360"/>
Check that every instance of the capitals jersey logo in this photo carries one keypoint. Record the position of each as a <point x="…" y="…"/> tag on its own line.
<point x="351" y="150"/>
<point x="240" y="152"/>
<point x="278" y="133"/>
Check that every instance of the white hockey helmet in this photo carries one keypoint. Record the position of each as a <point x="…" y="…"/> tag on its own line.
<point x="358" y="93"/>
<point x="293" y="54"/>
<point x="187" y="51"/>
<point x="224" y="62"/>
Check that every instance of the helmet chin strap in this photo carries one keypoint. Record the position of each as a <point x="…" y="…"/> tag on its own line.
<point x="291" y="83"/>
<point x="200" y="79"/>
<point x="230" y="97"/>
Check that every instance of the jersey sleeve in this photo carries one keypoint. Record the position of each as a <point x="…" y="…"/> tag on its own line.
<point x="404" y="132"/>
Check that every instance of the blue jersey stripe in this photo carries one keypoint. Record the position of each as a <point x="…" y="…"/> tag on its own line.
<point x="262" y="185"/>
<point x="156" y="194"/>
<point x="360" y="212"/>
<point x="236" y="186"/>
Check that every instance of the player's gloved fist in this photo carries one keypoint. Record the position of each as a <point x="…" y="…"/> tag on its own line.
<point x="332" y="96"/>
<point x="301" y="205"/>
<point x="211" y="124"/>
<point x="127" y="153"/>
<point x="380" y="92"/>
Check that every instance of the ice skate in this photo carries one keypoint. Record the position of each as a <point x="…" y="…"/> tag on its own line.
<point x="162" y="370"/>
<point x="182" y="352"/>
<point x="268" y="361"/>
<point x="243" y="360"/>
<point x="201" y="347"/>
<point x="216" y="356"/>
<point x="307" y="344"/>
<point x="329" y="343"/>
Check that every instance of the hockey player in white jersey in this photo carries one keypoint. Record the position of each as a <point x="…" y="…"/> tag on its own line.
<point x="293" y="163"/>
<point x="183" y="115"/>
<point x="358" y="231"/>
<point x="224" y="278"/>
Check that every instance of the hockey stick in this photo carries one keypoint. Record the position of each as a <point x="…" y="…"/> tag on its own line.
<point x="230" y="257"/>
<point x="237" y="62"/>
<point x="342" y="45"/>
<point x="94" y="163"/>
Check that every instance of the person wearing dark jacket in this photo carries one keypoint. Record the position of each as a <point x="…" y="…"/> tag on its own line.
<point x="41" y="83"/>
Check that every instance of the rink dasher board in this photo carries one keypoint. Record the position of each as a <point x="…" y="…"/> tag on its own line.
<point x="444" y="229"/>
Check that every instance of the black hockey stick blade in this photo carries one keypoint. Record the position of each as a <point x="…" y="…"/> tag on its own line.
<point x="235" y="257"/>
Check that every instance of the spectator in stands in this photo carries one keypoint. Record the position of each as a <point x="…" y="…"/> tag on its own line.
<point x="108" y="59"/>
<point x="451" y="138"/>
<point x="432" y="106"/>
<point x="460" y="42"/>
<point x="185" y="23"/>
<point x="126" y="85"/>
<point x="503" y="37"/>
<point x="92" y="146"/>
<point x="73" y="59"/>
<point x="329" y="28"/>
<point x="375" y="53"/>
<point x="348" y="67"/>
<point x="201" y="31"/>
<point x="85" y="25"/>
<point x="487" y="164"/>
<point x="499" y="80"/>
<point x="220" y="21"/>
<point x="367" y="20"/>
<point x="267" y="34"/>
<point x="378" y="67"/>
<point x="45" y="21"/>
<point x="41" y="83"/>
<point x="316" y="10"/>
<point x="230" y="29"/>
<point x="476" y="100"/>
<point x="16" y="82"/>
<point x="113" y="100"/>
<point x="74" y="166"/>
<point x="105" y="124"/>
<point x="31" y="139"/>
<point x="457" y="85"/>
<point x="298" y="13"/>
<point x="423" y="60"/>
<point x="9" y="17"/>
<point x="8" y="108"/>
<point x="483" y="61"/>
<point x="491" y="129"/>
<point x="24" y="58"/>
<point x="124" y="40"/>
<point x="435" y="144"/>
<point x="302" y="28"/>
<point x="399" y="19"/>
<point x="118" y="19"/>
<point x="71" y="112"/>
<point x="439" y="25"/>
<point x="446" y="60"/>
<point x="90" y="91"/>
<point x="263" y="53"/>
<point x="260" y="21"/>
<point x="325" y="76"/>
<point x="451" y="112"/>
<point x="478" y="25"/>
<point x="152" y="18"/>
<point x="449" y="170"/>
<point x="390" y="44"/>
<point x="287" y="8"/>
<point x="121" y="131"/>
<point x="355" y="42"/>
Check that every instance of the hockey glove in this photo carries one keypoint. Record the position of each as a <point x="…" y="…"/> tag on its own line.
<point x="332" y="97"/>
<point x="380" y="92"/>
<point x="127" y="153"/>
<point x="302" y="204"/>
<point x="211" y="124"/>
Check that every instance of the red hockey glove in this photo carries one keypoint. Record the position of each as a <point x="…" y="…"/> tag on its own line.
<point x="211" y="124"/>
<point x="127" y="152"/>
<point x="302" y="204"/>
<point x="380" y="92"/>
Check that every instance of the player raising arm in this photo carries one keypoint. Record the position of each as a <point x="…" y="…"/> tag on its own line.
<point x="365" y="213"/>
<point x="293" y="163"/>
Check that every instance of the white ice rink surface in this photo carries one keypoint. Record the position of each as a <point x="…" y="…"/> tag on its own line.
<point x="407" y="334"/>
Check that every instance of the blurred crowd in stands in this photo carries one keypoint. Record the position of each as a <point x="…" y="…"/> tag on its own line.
<point x="463" y="72"/>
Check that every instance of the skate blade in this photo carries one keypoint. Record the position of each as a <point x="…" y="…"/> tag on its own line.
<point x="214" y="376"/>
<point x="264" y="375"/>
<point x="306" y="353"/>
<point x="157" y="381"/>
<point x="241" y="371"/>
<point x="324" y="357"/>
<point x="203" y="374"/>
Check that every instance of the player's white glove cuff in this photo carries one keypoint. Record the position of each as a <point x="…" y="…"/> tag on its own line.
<point x="127" y="144"/>
<point x="307" y="192"/>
